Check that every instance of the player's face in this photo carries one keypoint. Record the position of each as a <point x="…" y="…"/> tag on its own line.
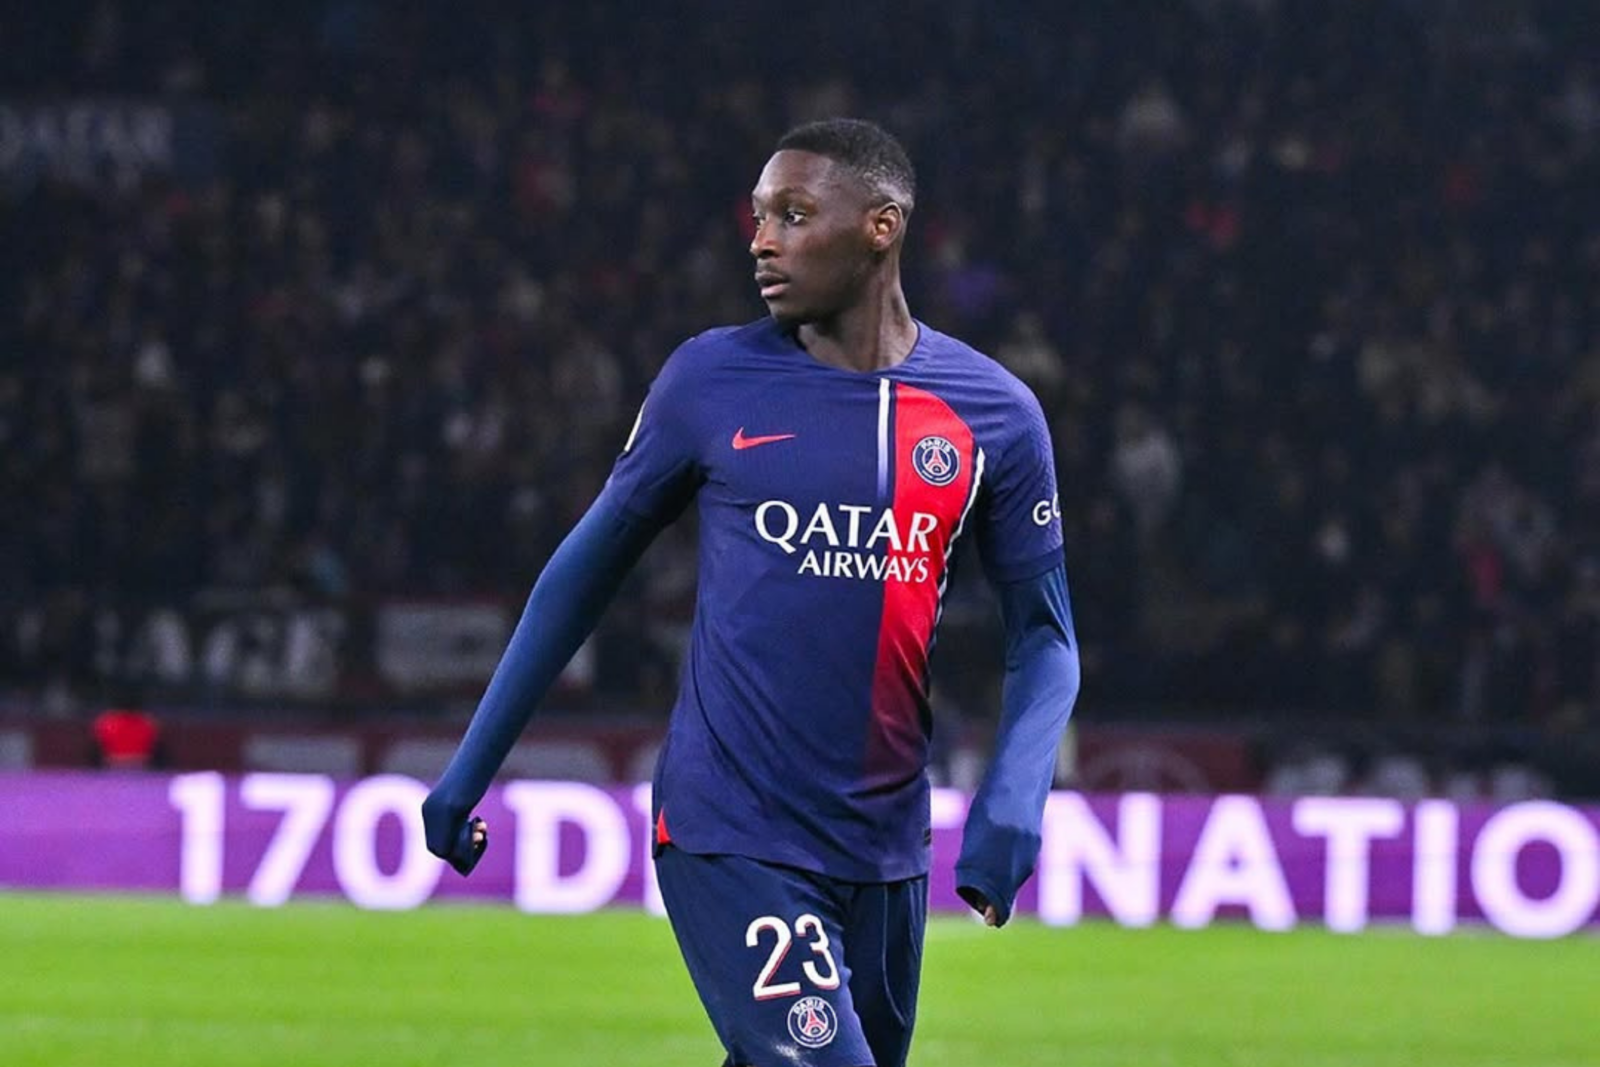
<point x="814" y="236"/>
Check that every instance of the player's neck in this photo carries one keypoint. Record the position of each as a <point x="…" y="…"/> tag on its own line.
<point x="874" y="335"/>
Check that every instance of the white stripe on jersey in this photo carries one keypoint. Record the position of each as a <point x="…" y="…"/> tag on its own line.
<point x="950" y="549"/>
<point x="637" y="419"/>
<point x="883" y="437"/>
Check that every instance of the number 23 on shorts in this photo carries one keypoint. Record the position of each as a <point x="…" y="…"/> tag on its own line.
<point x="821" y="972"/>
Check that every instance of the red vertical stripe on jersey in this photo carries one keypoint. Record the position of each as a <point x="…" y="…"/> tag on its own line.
<point x="895" y="738"/>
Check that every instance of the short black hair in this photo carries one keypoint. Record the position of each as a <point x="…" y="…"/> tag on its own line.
<point x="866" y="149"/>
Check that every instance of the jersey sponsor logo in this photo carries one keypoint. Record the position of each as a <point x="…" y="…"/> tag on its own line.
<point x="936" y="460"/>
<point x="852" y="540"/>
<point x="1047" y="511"/>
<point x="812" y="1022"/>
<point x="863" y="567"/>
<point x="741" y="442"/>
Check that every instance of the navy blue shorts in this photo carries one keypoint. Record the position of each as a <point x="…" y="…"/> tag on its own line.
<point x="796" y="968"/>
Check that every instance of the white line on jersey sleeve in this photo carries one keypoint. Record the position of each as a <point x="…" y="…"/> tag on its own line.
<point x="637" y="419"/>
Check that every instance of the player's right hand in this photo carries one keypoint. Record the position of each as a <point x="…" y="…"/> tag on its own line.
<point x="453" y="837"/>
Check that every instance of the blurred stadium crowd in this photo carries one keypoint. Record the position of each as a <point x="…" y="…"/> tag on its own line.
<point x="1310" y="292"/>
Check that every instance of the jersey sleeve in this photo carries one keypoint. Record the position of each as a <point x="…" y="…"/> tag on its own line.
<point x="660" y="469"/>
<point x="1019" y="531"/>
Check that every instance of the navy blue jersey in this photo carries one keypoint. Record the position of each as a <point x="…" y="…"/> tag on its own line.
<point x="832" y="504"/>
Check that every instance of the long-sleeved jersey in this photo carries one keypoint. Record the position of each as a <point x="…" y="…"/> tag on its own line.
<point x="833" y="505"/>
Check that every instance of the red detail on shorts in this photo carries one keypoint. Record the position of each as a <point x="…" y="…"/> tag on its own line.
<point x="662" y="837"/>
<point x="896" y="740"/>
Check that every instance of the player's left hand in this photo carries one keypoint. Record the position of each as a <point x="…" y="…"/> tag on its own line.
<point x="980" y="904"/>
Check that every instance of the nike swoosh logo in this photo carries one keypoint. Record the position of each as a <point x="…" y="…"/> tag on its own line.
<point x="741" y="442"/>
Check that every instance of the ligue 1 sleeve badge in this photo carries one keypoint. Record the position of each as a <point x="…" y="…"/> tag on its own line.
<point x="936" y="460"/>
<point x="812" y="1022"/>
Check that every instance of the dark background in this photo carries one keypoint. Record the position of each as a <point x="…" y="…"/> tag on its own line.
<point x="313" y="310"/>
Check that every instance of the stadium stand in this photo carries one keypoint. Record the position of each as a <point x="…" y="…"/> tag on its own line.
<point x="317" y="312"/>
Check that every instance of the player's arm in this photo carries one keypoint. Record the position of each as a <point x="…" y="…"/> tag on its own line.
<point x="1019" y="538"/>
<point x="1001" y="842"/>
<point x="563" y="609"/>
<point x="650" y="485"/>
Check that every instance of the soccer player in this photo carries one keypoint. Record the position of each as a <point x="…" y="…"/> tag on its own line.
<point x="842" y="455"/>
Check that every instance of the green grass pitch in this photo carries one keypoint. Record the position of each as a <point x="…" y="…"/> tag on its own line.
<point x="129" y="982"/>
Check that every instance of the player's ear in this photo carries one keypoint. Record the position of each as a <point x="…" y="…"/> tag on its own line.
<point x="887" y="223"/>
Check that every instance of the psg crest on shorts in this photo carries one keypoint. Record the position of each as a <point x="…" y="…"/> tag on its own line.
<point x="936" y="460"/>
<point x="812" y="1022"/>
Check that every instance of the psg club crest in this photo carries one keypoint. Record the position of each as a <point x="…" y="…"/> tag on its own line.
<point x="812" y="1022"/>
<point x="936" y="460"/>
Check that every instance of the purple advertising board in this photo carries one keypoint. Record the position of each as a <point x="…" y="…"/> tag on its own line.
<point x="1529" y="869"/>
